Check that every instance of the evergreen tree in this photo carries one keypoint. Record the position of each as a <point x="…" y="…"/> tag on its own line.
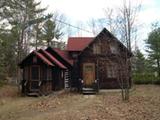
<point x="143" y="72"/>
<point x="139" y="62"/>
<point x="37" y="40"/>
<point x="22" y="14"/>
<point x="50" y="31"/>
<point x="7" y="53"/>
<point x="153" y="44"/>
<point x="19" y="17"/>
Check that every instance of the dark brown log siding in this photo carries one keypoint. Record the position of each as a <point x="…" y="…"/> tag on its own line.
<point x="102" y="60"/>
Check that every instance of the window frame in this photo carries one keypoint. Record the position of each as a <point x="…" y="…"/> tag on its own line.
<point x="111" y="70"/>
<point x="97" y="49"/>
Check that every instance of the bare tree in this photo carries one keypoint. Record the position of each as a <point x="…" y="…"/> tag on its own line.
<point x="126" y="21"/>
<point x="127" y="25"/>
<point x="111" y="20"/>
<point x="93" y="26"/>
<point x="123" y="24"/>
<point x="122" y="21"/>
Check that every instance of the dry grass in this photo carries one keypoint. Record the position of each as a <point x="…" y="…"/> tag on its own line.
<point x="144" y="104"/>
<point x="8" y="91"/>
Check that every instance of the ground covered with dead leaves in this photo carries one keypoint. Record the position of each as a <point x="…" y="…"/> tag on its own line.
<point x="144" y="104"/>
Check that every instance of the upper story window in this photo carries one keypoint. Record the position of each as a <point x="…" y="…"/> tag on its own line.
<point x="74" y="55"/>
<point x="114" y="48"/>
<point x="96" y="49"/>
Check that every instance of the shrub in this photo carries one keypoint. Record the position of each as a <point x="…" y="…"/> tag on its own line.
<point x="1" y="83"/>
<point x="145" y="79"/>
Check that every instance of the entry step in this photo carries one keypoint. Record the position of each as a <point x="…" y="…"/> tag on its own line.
<point x="88" y="91"/>
<point x="33" y="94"/>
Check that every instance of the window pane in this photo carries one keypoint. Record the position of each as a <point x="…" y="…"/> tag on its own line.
<point x="111" y="70"/>
<point x="96" y="49"/>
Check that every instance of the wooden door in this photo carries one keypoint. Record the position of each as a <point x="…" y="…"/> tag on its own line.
<point x="88" y="73"/>
<point x="35" y="77"/>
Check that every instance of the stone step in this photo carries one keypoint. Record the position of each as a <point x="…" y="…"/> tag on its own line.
<point x="88" y="91"/>
<point x="33" y="94"/>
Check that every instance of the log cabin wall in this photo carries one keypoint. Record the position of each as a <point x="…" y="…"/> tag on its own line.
<point x="59" y="74"/>
<point x="45" y="78"/>
<point x="58" y="78"/>
<point x="106" y="54"/>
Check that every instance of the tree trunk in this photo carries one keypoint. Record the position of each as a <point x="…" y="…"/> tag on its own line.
<point x="19" y="57"/>
<point x="158" y="67"/>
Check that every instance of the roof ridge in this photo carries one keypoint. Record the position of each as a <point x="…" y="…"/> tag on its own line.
<point x="43" y="57"/>
<point x="53" y="59"/>
<point x="58" y="52"/>
<point x="80" y="37"/>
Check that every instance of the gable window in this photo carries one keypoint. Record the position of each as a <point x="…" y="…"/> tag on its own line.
<point x="96" y="49"/>
<point x="74" y="55"/>
<point x="113" y="48"/>
<point x="111" y="70"/>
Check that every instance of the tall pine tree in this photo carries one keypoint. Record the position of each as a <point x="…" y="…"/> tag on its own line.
<point x="139" y="62"/>
<point x="153" y="45"/>
<point x="19" y="17"/>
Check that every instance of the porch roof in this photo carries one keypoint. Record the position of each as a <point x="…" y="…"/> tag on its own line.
<point x="43" y="58"/>
<point x="64" y="54"/>
<point x="39" y="55"/>
<point x="53" y="59"/>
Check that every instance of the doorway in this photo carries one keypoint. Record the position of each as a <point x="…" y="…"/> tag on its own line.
<point x="88" y="73"/>
<point x="35" y="78"/>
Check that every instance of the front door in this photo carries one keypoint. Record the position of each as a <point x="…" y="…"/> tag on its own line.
<point x="88" y="73"/>
<point x="35" y="77"/>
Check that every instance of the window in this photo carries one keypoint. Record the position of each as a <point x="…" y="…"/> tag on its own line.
<point x="113" y="48"/>
<point x="96" y="49"/>
<point x="88" y="68"/>
<point x="74" y="55"/>
<point x="111" y="70"/>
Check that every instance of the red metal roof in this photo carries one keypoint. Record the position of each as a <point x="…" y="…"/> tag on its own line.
<point x="53" y="59"/>
<point x="64" y="54"/>
<point x="43" y="58"/>
<point x="78" y="43"/>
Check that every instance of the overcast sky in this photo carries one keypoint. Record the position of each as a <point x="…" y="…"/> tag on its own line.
<point x="79" y="12"/>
